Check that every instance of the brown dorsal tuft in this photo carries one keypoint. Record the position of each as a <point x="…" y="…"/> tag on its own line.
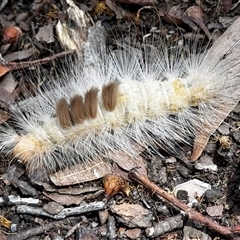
<point x="109" y="95"/>
<point x="77" y="109"/>
<point x="91" y="103"/>
<point x="63" y="113"/>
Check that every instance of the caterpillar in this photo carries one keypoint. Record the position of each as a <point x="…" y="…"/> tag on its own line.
<point x="123" y="99"/>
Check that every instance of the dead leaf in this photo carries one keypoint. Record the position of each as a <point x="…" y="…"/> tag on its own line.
<point x="8" y="83"/>
<point x="226" y="5"/>
<point x="20" y="55"/>
<point x="3" y="69"/>
<point x="81" y="173"/>
<point x="120" y="13"/>
<point x="125" y="161"/>
<point x="7" y="97"/>
<point x="45" y="34"/>
<point x="65" y="200"/>
<point x="196" y="14"/>
<point x="176" y="15"/>
<point x="133" y="215"/>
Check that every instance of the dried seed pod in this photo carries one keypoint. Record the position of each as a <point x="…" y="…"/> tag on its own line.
<point x="113" y="184"/>
<point x="11" y="34"/>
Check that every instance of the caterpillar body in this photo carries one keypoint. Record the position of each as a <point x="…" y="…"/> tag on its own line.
<point x="124" y="97"/>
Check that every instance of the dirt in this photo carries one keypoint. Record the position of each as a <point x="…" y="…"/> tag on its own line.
<point x="128" y="21"/>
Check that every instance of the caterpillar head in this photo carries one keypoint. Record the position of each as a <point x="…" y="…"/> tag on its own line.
<point x="26" y="149"/>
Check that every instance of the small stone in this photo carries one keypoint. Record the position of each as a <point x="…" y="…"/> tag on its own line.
<point x="171" y="160"/>
<point x="103" y="216"/>
<point x="215" y="211"/>
<point x="133" y="233"/>
<point x="205" y="162"/>
<point x="195" y="188"/>
<point x="94" y="224"/>
<point x="224" y="129"/>
<point x="53" y="208"/>
<point x="182" y="195"/>
<point x="189" y="232"/>
<point x="14" y="227"/>
<point x="163" y="209"/>
<point x="210" y="148"/>
<point x="211" y="195"/>
<point x="183" y="171"/>
<point x="103" y="230"/>
<point x="133" y="215"/>
<point x="45" y="34"/>
<point x="163" y="175"/>
<point x="236" y="136"/>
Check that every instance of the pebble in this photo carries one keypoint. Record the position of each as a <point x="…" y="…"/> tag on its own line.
<point x="211" y="195"/>
<point x="194" y="188"/>
<point x="236" y="136"/>
<point x="214" y="211"/>
<point x="182" y="195"/>
<point x="103" y="216"/>
<point x="133" y="233"/>
<point x="53" y="208"/>
<point x="183" y="171"/>
<point x="224" y="129"/>
<point x="163" y="210"/>
<point x="206" y="162"/>
<point x="190" y="232"/>
<point x="133" y="215"/>
<point x="171" y="160"/>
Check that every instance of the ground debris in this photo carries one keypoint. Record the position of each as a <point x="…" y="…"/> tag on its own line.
<point x="94" y="206"/>
<point x="133" y="215"/>
<point x="167" y="225"/>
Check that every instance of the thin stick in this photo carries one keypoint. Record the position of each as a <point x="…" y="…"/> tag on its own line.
<point x="192" y="214"/>
<point x="19" y="65"/>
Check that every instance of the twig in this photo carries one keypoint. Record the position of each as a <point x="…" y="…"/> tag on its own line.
<point x="93" y="206"/>
<point x="112" y="228"/>
<point x="19" y="65"/>
<point x="192" y="214"/>
<point x="34" y="231"/>
<point x="16" y="200"/>
<point x="165" y="226"/>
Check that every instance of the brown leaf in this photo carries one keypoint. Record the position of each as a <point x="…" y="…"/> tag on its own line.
<point x="227" y="5"/>
<point x="81" y="173"/>
<point x="3" y="70"/>
<point x="115" y="8"/>
<point x="8" y="83"/>
<point x="176" y="15"/>
<point x="196" y="14"/>
<point x="64" y="199"/>
<point x="133" y="215"/>
<point x="5" y="96"/>
<point x="125" y="161"/>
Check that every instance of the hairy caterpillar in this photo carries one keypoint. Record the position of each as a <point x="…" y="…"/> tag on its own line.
<point x="124" y="97"/>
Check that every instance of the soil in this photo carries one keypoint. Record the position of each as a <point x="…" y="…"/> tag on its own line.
<point x="128" y="21"/>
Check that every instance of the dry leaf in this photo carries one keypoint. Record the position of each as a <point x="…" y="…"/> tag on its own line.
<point x="81" y="173"/>
<point x="66" y="200"/>
<point x="3" y="70"/>
<point x="177" y="16"/>
<point x="5" y="222"/>
<point x="196" y="14"/>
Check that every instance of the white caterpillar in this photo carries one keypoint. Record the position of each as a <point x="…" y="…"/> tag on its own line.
<point x="125" y="97"/>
